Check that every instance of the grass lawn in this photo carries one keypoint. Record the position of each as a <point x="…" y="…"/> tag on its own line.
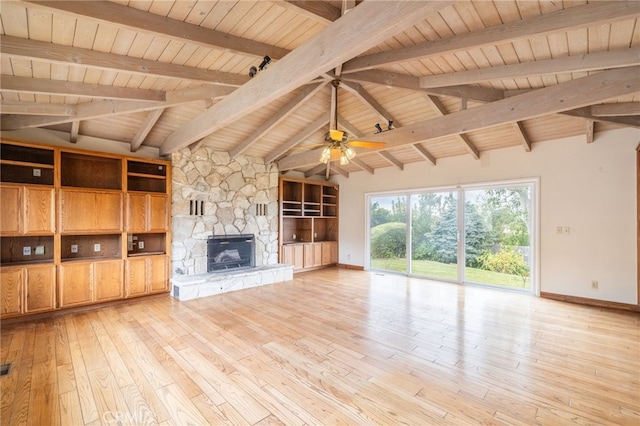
<point x="450" y="272"/>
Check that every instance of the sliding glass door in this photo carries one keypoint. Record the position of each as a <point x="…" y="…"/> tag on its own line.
<point x="474" y="234"/>
<point x="497" y="229"/>
<point x="434" y="235"/>
<point x="388" y="232"/>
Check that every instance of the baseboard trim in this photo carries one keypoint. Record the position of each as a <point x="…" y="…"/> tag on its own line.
<point x="590" y="302"/>
<point x="347" y="266"/>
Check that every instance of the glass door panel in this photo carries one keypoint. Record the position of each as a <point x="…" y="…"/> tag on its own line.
<point x="388" y="232"/>
<point x="497" y="226"/>
<point x="434" y="231"/>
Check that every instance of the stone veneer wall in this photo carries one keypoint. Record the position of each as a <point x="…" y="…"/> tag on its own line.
<point x="229" y="189"/>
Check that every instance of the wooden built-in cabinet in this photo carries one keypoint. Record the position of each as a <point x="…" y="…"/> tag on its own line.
<point x="79" y="227"/>
<point x="308" y="233"/>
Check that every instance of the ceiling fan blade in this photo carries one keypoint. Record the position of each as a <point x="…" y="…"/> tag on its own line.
<point x="336" y="135"/>
<point x="365" y="144"/>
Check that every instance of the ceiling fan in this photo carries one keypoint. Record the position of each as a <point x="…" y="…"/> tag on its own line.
<point x="338" y="147"/>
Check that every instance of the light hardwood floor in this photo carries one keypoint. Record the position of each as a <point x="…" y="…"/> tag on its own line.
<point x="335" y="346"/>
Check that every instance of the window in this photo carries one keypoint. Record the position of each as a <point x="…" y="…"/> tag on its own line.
<point x="481" y="234"/>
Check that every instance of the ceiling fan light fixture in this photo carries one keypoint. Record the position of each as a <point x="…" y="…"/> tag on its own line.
<point x="325" y="156"/>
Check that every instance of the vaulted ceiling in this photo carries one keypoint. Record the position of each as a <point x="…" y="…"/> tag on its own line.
<point x="454" y="77"/>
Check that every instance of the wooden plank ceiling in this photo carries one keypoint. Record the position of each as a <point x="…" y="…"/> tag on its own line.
<point x="455" y="77"/>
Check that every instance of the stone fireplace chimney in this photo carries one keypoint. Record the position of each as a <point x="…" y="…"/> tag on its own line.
<point x="214" y="194"/>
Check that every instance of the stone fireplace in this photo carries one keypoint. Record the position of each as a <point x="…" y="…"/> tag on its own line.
<point x="216" y="195"/>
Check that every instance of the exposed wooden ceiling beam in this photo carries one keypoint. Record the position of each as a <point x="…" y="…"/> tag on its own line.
<point x="464" y="139"/>
<point x="304" y="95"/>
<point x="317" y="10"/>
<point x="585" y="112"/>
<point x="353" y="132"/>
<point x="621" y="109"/>
<point x="590" y="130"/>
<point x="70" y="88"/>
<point x="391" y="159"/>
<point x="361" y="29"/>
<point x="317" y="170"/>
<point x="138" y="20"/>
<point x="573" y="17"/>
<point x="300" y="137"/>
<point x="333" y="166"/>
<point x="95" y="110"/>
<point x="588" y="62"/>
<point x="35" y="108"/>
<point x="69" y="55"/>
<point x="145" y="128"/>
<point x="365" y="97"/>
<point x="392" y="79"/>
<point x="522" y="135"/>
<point x="362" y="165"/>
<point x="75" y="129"/>
<point x="562" y="97"/>
<point x="424" y="153"/>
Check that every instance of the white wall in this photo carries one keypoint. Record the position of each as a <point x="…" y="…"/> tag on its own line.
<point x="590" y="188"/>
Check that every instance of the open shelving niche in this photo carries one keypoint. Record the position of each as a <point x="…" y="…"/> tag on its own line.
<point x="308" y="234"/>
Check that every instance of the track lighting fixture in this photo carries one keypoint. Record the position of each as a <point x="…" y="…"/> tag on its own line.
<point x="390" y="126"/>
<point x="263" y="66"/>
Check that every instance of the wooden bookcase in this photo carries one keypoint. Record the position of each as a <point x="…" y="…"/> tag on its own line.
<point x="72" y="224"/>
<point x="308" y="232"/>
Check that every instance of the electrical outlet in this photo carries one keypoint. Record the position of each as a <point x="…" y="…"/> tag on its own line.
<point x="39" y="250"/>
<point x="74" y="248"/>
<point x="96" y="247"/>
<point x="26" y="251"/>
<point x="594" y="285"/>
<point x="140" y="245"/>
<point x="559" y="230"/>
<point x="294" y="236"/>
<point x="566" y="230"/>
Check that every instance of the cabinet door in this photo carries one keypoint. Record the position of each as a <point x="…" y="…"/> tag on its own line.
<point x="329" y="253"/>
<point x="293" y="254"/>
<point x="108" y="211"/>
<point x="90" y="211"/>
<point x="312" y="255"/>
<point x="158" y="213"/>
<point x="75" y="284"/>
<point x="108" y="280"/>
<point x="158" y="267"/>
<point x="11" y="286"/>
<point x="40" y="288"/>
<point x="38" y="210"/>
<point x="10" y="213"/>
<point x="136" y="277"/>
<point x="136" y="212"/>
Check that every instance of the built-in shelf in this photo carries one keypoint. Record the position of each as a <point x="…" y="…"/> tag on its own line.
<point x="66" y="222"/>
<point x="308" y="223"/>
<point x="90" y="171"/>
<point x="24" y="164"/>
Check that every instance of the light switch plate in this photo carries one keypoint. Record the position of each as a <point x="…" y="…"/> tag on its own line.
<point x="37" y="172"/>
<point x="39" y="250"/>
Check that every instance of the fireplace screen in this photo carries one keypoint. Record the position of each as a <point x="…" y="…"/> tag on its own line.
<point x="230" y="252"/>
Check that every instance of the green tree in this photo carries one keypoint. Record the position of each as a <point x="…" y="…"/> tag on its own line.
<point x="379" y="215"/>
<point x="508" y="214"/>
<point x="478" y="237"/>
<point x="389" y="240"/>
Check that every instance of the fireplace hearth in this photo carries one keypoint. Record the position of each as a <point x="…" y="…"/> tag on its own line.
<point x="230" y="252"/>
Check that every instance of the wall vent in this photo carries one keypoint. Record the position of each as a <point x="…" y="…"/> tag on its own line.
<point x="196" y="207"/>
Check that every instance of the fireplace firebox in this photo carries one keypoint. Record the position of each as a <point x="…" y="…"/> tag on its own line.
<point x="225" y="252"/>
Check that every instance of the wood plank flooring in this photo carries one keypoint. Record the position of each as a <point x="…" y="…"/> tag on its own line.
<point x="335" y="346"/>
